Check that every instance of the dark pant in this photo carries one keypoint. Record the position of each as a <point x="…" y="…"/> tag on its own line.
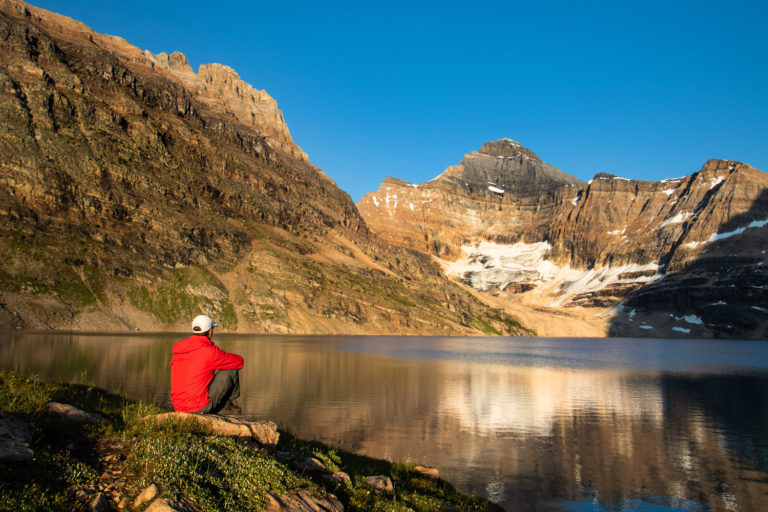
<point x="224" y="387"/>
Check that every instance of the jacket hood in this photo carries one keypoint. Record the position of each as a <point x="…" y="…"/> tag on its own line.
<point x="194" y="342"/>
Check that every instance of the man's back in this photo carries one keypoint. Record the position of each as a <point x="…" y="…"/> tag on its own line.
<point x="194" y="362"/>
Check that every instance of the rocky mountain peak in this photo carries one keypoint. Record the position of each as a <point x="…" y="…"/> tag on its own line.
<point x="389" y="180"/>
<point x="176" y="63"/>
<point x="505" y="167"/>
<point x="178" y="60"/>
<point x="507" y="148"/>
<point x="221" y="73"/>
<point x="604" y="176"/>
<point x="221" y="86"/>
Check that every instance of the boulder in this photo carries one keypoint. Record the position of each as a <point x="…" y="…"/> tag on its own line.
<point x="72" y="413"/>
<point x="163" y="505"/>
<point x="303" y="500"/>
<point x="380" y="482"/>
<point x="265" y="432"/>
<point x="426" y="472"/>
<point x="99" y="503"/>
<point x="82" y="495"/>
<point x="146" y="496"/>
<point x="341" y="477"/>
<point x="311" y="465"/>
<point x="14" y="440"/>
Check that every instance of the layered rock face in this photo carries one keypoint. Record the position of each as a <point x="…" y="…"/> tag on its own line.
<point x="136" y="194"/>
<point x="215" y="85"/>
<point x="677" y="257"/>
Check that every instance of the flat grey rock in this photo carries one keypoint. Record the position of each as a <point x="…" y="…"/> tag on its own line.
<point x="303" y="500"/>
<point x="100" y="503"/>
<point x="427" y="472"/>
<point x="163" y="505"/>
<point x="72" y="413"/>
<point x="380" y="482"/>
<point x="311" y="465"/>
<point x="146" y="495"/>
<point x="340" y="477"/>
<point x="14" y="440"/>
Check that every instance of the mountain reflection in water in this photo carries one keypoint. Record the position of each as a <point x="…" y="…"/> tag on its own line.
<point x="535" y="424"/>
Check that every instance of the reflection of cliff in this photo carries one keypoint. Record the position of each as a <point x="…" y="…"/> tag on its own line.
<point x="524" y="435"/>
<point x="671" y="436"/>
<point x="528" y="401"/>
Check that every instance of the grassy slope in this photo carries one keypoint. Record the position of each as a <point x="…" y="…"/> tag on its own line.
<point x="205" y="472"/>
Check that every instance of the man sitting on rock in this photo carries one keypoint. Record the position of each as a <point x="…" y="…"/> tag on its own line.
<point x="204" y="378"/>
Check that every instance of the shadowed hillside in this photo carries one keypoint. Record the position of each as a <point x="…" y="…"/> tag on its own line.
<point x="722" y="292"/>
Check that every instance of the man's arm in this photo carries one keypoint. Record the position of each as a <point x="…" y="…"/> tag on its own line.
<point x="225" y="361"/>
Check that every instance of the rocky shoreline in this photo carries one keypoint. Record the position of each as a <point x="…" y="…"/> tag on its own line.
<point x="78" y="447"/>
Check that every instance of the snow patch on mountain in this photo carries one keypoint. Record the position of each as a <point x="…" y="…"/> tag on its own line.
<point x="486" y="265"/>
<point x="677" y="219"/>
<point x="722" y="236"/>
<point x="576" y="199"/>
<point x="393" y="197"/>
<point x="495" y="189"/>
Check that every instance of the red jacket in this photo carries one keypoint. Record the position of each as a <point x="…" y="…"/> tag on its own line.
<point x="192" y="365"/>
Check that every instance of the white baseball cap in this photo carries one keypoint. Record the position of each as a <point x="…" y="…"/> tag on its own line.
<point x="203" y="323"/>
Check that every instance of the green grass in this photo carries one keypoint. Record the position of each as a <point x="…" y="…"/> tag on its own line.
<point x="511" y="324"/>
<point x="398" y="299"/>
<point x="42" y="484"/>
<point x="216" y="473"/>
<point x="74" y="294"/>
<point x="96" y="281"/>
<point x="482" y="325"/>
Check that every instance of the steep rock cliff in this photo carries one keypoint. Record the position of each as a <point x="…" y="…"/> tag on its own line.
<point x="136" y="194"/>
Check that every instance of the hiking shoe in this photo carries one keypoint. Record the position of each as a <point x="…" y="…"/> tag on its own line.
<point x="231" y="408"/>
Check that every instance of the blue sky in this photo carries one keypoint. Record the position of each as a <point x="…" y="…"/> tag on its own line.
<point x="645" y="90"/>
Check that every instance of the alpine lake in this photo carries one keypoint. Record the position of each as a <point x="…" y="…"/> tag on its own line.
<point x="535" y="424"/>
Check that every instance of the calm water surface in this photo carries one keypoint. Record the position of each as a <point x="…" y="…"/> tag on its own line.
<point x="533" y="423"/>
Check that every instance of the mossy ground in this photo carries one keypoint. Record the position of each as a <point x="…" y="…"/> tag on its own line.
<point x="205" y="472"/>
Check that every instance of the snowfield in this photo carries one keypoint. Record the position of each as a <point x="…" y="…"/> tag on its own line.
<point x="487" y="263"/>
